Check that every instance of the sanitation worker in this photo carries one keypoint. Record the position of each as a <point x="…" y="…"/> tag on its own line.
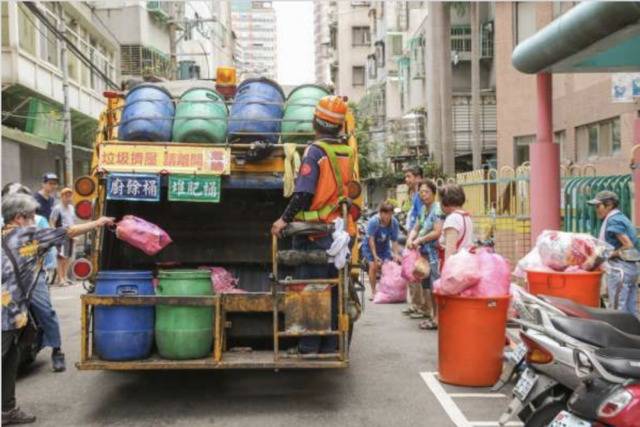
<point x="622" y="267"/>
<point x="325" y="171"/>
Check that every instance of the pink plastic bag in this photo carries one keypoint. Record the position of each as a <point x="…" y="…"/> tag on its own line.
<point x="223" y="281"/>
<point x="530" y="261"/>
<point x="392" y="287"/>
<point x="414" y="267"/>
<point x="494" y="279"/>
<point x="143" y="235"/>
<point x="460" y="272"/>
<point x="560" y="250"/>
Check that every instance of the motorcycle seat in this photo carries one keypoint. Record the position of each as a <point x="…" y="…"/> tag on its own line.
<point x="595" y="332"/>
<point x="624" y="362"/>
<point x="626" y="322"/>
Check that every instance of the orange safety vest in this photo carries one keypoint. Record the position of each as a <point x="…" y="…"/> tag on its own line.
<point x="336" y="170"/>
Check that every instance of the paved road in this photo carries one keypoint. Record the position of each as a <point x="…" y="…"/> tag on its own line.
<point x="382" y="387"/>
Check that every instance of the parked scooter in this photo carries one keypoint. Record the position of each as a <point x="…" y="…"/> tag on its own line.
<point x="550" y="337"/>
<point x="609" y="394"/>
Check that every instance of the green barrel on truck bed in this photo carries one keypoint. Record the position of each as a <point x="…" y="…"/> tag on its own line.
<point x="184" y="332"/>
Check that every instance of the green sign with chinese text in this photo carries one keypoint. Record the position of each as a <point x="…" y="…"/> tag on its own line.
<point x="193" y="188"/>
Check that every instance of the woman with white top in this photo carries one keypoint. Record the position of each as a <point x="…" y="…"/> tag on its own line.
<point x="457" y="230"/>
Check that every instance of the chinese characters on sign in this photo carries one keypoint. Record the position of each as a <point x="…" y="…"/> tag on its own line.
<point x="123" y="157"/>
<point x="142" y="188"/>
<point x="190" y="188"/>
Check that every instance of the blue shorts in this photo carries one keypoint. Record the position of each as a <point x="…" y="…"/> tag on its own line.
<point x="383" y="255"/>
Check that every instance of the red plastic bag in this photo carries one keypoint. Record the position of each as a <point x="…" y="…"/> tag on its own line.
<point x="560" y="250"/>
<point x="143" y="235"/>
<point x="460" y="272"/>
<point x="494" y="278"/>
<point x="392" y="287"/>
<point x="414" y="267"/>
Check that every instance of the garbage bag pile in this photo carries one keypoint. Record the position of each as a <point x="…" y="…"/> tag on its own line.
<point x="475" y="274"/>
<point x="392" y="286"/>
<point x="562" y="251"/>
<point x="143" y="235"/>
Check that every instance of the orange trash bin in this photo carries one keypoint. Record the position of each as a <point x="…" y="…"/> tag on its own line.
<point x="583" y="287"/>
<point x="471" y="339"/>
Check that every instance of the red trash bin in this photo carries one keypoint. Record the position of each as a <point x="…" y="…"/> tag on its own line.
<point x="583" y="287"/>
<point x="471" y="339"/>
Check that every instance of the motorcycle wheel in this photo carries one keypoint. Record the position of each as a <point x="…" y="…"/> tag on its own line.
<point x="545" y="414"/>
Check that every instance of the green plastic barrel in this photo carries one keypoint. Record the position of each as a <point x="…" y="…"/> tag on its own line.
<point x="184" y="332"/>
<point x="201" y="116"/>
<point x="298" y="113"/>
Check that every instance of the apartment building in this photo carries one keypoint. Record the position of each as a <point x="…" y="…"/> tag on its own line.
<point x="397" y="87"/>
<point x="32" y="94"/>
<point x="353" y="42"/>
<point x="206" y="42"/>
<point x="325" y="20"/>
<point x="254" y="24"/>
<point x="590" y="128"/>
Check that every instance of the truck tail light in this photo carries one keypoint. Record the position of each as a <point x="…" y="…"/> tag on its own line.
<point x="84" y="209"/>
<point x="536" y="353"/>
<point x="81" y="268"/>
<point x="85" y="186"/>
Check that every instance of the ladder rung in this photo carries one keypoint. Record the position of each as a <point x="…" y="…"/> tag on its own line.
<point x="308" y="334"/>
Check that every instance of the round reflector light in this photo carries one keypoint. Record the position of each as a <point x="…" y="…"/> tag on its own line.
<point x="84" y="209"/>
<point x="354" y="189"/>
<point x="81" y="268"/>
<point x="85" y="186"/>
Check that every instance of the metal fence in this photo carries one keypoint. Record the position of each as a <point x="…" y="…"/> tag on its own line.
<point x="499" y="203"/>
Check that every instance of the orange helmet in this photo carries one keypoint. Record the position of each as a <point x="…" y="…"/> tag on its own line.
<point x="331" y="109"/>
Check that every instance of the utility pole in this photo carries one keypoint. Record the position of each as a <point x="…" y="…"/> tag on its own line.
<point x="66" y="111"/>
<point x="172" y="40"/>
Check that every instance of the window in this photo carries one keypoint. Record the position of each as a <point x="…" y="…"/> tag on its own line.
<point x="616" y="144"/>
<point x="521" y="149"/>
<point x="524" y="21"/>
<point x="593" y="140"/>
<point x="5" y="24"/>
<point x="380" y="54"/>
<point x="560" y="138"/>
<point x="357" y="76"/>
<point x="395" y="45"/>
<point x="26" y="30"/>
<point x="372" y="67"/>
<point x="360" y="36"/>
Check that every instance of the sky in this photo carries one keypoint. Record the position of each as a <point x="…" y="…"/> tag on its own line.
<point x="295" y="42"/>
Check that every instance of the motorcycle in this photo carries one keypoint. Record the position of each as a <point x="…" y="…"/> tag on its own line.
<point x="549" y="338"/>
<point x="609" y="394"/>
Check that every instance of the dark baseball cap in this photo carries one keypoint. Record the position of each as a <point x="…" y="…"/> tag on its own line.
<point x="50" y="176"/>
<point x="603" y="197"/>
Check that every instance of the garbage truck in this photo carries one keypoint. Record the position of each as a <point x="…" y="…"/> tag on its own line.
<point x="210" y="163"/>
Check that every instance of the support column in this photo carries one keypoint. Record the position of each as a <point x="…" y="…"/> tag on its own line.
<point x="635" y="162"/>
<point x="545" y="165"/>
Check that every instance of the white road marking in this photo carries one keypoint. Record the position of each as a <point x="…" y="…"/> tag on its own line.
<point x="446" y="402"/>
<point x="474" y="395"/>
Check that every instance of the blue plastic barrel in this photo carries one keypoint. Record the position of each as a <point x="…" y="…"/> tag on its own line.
<point x="124" y="332"/>
<point x="147" y="115"/>
<point x="257" y="111"/>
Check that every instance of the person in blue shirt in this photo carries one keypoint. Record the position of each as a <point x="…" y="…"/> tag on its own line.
<point x="413" y="178"/>
<point x="377" y="247"/>
<point x="619" y="232"/>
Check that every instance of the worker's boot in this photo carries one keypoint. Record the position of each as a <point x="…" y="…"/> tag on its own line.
<point x="16" y="416"/>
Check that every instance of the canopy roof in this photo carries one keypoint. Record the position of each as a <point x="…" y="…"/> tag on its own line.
<point x="594" y="36"/>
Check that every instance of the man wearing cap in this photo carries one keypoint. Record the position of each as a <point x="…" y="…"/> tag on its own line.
<point x="622" y="270"/>
<point x="325" y="170"/>
<point x="63" y="215"/>
<point x="46" y="195"/>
